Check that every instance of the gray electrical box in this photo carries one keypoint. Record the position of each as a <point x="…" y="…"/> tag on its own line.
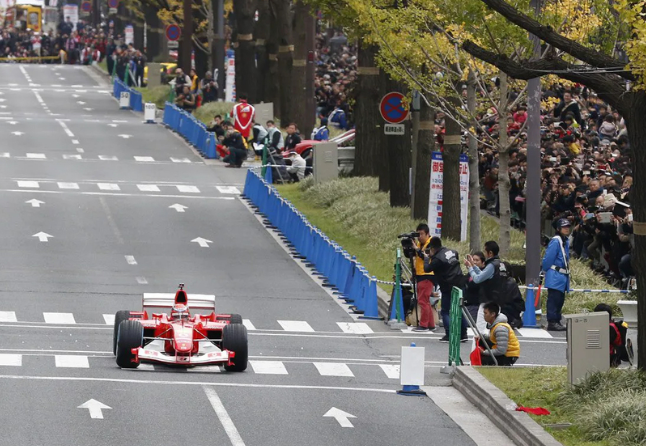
<point x="588" y="344"/>
<point x="325" y="162"/>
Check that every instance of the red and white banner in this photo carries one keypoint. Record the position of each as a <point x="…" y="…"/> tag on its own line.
<point x="435" y="195"/>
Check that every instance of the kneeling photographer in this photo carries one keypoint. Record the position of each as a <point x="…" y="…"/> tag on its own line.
<point x="445" y="264"/>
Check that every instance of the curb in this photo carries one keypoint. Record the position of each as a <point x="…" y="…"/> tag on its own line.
<point x="492" y="402"/>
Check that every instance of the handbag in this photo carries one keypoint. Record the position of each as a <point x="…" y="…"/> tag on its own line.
<point x="476" y="356"/>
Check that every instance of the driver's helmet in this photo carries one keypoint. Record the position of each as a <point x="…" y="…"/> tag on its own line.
<point x="180" y="312"/>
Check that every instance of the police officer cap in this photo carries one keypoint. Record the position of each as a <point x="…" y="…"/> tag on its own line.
<point x="563" y="223"/>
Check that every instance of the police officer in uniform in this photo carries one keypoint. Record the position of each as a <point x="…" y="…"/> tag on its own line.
<point x="557" y="274"/>
<point x="424" y="281"/>
<point x="445" y="264"/>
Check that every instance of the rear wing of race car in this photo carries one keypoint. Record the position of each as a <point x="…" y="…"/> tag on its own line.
<point x="162" y="302"/>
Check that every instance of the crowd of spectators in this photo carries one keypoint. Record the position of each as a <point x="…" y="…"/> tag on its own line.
<point x="335" y="75"/>
<point x="586" y="175"/>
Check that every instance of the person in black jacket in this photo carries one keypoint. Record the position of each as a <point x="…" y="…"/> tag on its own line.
<point x="445" y="264"/>
<point x="237" y="150"/>
<point x="293" y="138"/>
<point x="569" y="105"/>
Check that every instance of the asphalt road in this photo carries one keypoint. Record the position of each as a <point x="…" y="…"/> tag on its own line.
<point x="98" y="208"/>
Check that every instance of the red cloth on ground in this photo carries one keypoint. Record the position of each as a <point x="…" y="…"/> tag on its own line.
<point x="533" y="410"/>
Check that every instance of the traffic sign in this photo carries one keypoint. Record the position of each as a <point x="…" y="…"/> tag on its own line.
<point x="173" y="33"/>
<point x="394" y="129"/>
<point x="392" y="108"/>
<point x="86" y="6"/>
<point x="113" y="3"/>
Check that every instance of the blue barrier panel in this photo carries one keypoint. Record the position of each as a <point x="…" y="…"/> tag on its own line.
<point x="136" y="100"/>
<point x="269" y="176"/>
<point x="529" y="316"/>
<point x="372" y="305"/>
<point x="210" y="151"/>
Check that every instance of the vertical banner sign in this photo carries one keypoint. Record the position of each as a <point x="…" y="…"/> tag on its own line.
<point x="71" y="11"/>
<point x="129" y="33"/>
<point x="230" y="90"/>
<point x="435" y="196"/>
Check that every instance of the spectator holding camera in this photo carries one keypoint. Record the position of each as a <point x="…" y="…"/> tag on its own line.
<point x="424" y="280"/>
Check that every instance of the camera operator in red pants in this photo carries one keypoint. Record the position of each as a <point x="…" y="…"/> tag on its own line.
<point x="424" y="281"/>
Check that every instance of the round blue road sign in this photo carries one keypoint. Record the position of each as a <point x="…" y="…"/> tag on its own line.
<point x="86" y="6"/>
<point x="173" y="32"/>
<point x="113" y="3"/>
<point x="392" y="108"/>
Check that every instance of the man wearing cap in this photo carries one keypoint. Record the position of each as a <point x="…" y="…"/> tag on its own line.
<point x="557" y="274"/>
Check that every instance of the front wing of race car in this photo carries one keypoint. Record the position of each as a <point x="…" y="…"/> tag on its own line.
<point x="208" y="357"/>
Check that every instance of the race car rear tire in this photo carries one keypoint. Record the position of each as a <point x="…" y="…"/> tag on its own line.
<point x="234" y="339"/>
<point x="232" y="318"/>
<point x="130" y="335"/>
<point x="120" y="316"/>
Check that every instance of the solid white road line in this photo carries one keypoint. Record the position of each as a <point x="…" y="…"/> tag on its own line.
<point x="333" y="369"/>
<point x="72" y="361"/>
<point x="223" y="416"/>
<point x="391" y="370"/>
<point x="72" y="157"/>
<point x="534" y="333"/>
<point x="108" y="158"/>
<point x="59" y="318"/>
<point x="11" y="360"/>
<point x="180" y="160"/>
<point x="8" y="316"/>
<point x="268" y="367"/>
<point x="109" y="319"/>
<point x="246" y="322"/>
<point x="296" y="326"/>
<point x="40" y="156"/>
<point x="354" y="327"/>
<point x="146" y="367"/>
<point x="144" y="159"/>
<point x="187" y="189"/>
<point x="148" y="187"/>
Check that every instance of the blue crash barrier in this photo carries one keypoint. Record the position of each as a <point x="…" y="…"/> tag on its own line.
<point x="191" y="129"/>
<point x="349" y="280"/>
<point x="136" y="101"/>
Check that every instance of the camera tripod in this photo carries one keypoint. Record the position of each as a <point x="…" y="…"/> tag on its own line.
<point x="407" y="275"/>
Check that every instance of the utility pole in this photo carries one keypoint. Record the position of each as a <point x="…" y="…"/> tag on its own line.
<point x="187" y="37"/>
<point x="533" y="211"/>
<point x="415" y="108"/>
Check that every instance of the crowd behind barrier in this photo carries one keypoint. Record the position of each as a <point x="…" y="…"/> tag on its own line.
<point x="191" y="129"/>
<point x="351" y="280"/>
<point x="136" y="101"/>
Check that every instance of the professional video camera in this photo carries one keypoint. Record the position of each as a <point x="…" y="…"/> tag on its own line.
<point x="408" y="243"/>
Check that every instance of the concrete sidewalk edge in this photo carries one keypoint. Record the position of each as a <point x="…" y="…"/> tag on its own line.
<point x="492" y="402"/>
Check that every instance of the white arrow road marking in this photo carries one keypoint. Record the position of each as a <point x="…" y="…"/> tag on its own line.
<point x="204" y="243"/>
<point x="95" y="407"/>
<point x="125" y="136"/>
<point x="340" y="416"/>
<point x="42" y="236"/>
<point x="223" y="416"/>
<point x="17" y="133"/>
<point x="35" y="203"/>
<point x="178" y="208"/>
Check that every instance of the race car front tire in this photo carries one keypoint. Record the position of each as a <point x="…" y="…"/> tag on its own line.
<point x="120" y="316"/>
<point x="130" y="335"/>
<point x="234" y="339"/>
<point x="232" y="318"/>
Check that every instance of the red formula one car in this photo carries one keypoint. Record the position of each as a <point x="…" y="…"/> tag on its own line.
<point x="180" y="338"/>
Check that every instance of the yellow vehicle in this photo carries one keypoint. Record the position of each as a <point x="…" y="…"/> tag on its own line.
<point x="25" y="14"/>
<point x="167" y="70"/>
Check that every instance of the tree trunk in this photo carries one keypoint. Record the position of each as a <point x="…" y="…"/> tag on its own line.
<point x="272" y="89"/>
<point x="503" y="169"/>
<point x="262" y="55"/>
<point x="245" y="52"/>
<point x="380" y="152"/>
<point x="300" y="88"/>
<point x="186" y="41"/>
<point x="425" y="146"/>
<point x="635" y="117"/>
<point x="399" y="159"/>
<point x="285" y="61"/>
<point x="451" y="179"/>
<point x="474" y="174"/>
<point x="369" y="123"/>
<point x="201" y="62"/>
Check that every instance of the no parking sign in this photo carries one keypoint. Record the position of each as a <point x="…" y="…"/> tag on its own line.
<point x="394" y="111"/>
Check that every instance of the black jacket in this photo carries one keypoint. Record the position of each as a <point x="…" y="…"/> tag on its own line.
<point x="234" y="141"/>
<point x="445" y="264"/>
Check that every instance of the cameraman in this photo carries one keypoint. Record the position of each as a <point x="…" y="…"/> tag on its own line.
<point x="424" y="281"/>
<point x="445" y="263"/>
